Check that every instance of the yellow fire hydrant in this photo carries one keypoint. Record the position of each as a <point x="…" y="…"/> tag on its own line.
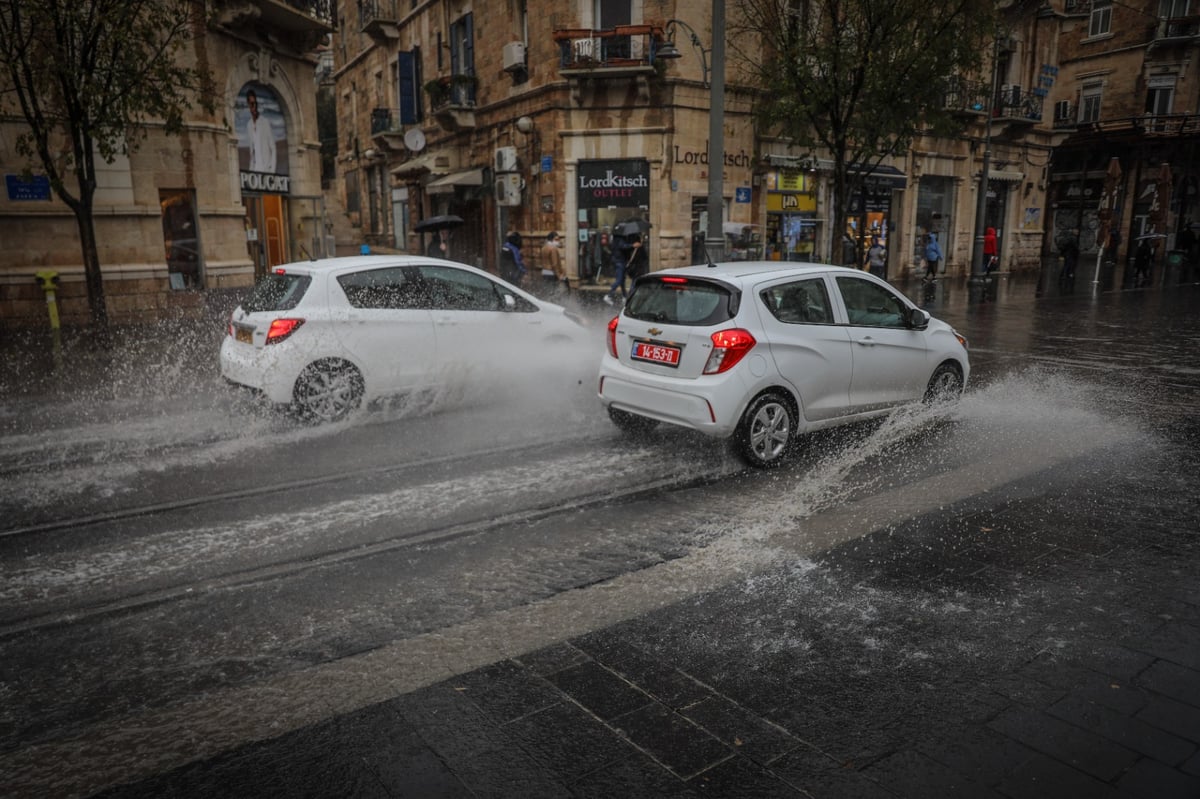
<point x="48" y="280"/>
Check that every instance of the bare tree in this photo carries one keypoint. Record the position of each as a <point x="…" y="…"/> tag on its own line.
<point x="88" y="76"/>
<point x="858" y="79"/>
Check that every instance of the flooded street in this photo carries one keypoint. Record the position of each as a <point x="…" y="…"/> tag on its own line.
<point x="183" y="573"/>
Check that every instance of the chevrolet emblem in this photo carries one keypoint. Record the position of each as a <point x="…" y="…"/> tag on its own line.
<point x="654" y="331"/>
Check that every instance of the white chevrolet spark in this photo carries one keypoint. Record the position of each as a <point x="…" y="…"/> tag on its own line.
<point x="760" y="352"/>
<point x="323" y="336"/>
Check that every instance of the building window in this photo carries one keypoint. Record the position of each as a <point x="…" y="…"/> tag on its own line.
<point x="1170" y="9"/>
<point x="352" y="200"/>
<point x="1089" y="103"/>
<point x="408" y="68"/>
<point x="1100" y="22"/>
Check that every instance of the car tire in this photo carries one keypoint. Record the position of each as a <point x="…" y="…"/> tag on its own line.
<point x="327" y="391"/>
<point x="766" y="431"/>
<point x="946" y="384"/>
<point x="630" y="422"/>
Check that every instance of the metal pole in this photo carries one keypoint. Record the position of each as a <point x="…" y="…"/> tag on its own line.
<point x="981" y="200"/>
<point x="715" y="242"/>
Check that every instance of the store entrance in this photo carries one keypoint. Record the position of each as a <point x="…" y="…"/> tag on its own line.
<point x="266" y="231"/>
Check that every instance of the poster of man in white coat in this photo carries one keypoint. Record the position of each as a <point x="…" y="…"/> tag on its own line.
<point x="262" y="131"/>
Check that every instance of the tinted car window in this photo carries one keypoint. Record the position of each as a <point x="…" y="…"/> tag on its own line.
<point x="381" y="288"/>
<point x="802" y="302"/>
<point x="871" y="305"/>
<point x="276" y="292"/>
<point x="681" y="301"/>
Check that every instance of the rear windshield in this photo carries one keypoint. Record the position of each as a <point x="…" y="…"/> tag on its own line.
<point x="681" y="301"/>
<point x="276" y="293"/>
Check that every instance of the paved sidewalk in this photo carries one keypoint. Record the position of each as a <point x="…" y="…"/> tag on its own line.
<point x="1047" y="645"/>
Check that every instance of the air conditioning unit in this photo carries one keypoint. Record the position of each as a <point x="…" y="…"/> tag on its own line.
<point x="585" y="49"/>
<point x="513" y="56"/>
<point x="508" y="189"/>
<point x="506" y="159"/>
<point x="1063" y="111"/>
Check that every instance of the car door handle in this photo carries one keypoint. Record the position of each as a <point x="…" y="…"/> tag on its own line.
<point x="867" y="341"/>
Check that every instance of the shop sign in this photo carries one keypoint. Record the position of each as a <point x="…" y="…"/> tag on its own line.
<point x="623" y="184"/>
<point x="786" y="202"/>
<point x="260" y="181"/>
<point x="740" y="158"/>
<point x="790" y="180"/>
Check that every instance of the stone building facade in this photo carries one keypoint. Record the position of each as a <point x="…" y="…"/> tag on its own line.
<point x="185" y="213"/>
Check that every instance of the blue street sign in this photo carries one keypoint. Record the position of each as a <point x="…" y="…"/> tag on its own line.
<point x="742" y="194"/>
<point x="547" y="163"/>
<point x="36" y="188"/>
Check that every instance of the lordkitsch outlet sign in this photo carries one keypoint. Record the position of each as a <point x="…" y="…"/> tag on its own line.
<point x="623" y="183"/>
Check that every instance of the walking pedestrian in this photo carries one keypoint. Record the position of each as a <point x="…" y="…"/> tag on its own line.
<point x="512" y="265"/>
<point x="990" y="253"/>
<point x="1141" y="263"/>
<point x="620" y="259"/>
<point x="554" y="274"/>
<point x="877" y="258"/>
<point x="1069" y="250"/>
<point x="933" y="254"/>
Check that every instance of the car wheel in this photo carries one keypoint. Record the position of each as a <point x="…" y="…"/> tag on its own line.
<point x="327" y="390"/>
<point x="766" y="430"/>
<point x="630" y="422"/>
<point x="946" y="384"/>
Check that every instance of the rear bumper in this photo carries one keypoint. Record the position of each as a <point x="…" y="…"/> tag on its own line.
<point x="258" y="369"/>
<point x="709" y="405"/>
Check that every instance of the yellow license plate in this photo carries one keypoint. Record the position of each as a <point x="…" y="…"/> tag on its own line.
<point x="243" y="334"/>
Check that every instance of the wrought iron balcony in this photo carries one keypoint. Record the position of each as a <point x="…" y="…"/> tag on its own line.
<point x="1017" y="105"/>
<point x="1184" y="28"/>
<point x="379" y="18"/>
<point x="386" y="130"/>
<point x="965" y="96"/>
<point x="624" y="50"/>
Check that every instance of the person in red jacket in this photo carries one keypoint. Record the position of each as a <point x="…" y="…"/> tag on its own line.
<point x="990" y="261"/>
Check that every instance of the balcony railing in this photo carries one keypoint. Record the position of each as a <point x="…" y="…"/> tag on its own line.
<point x="379" y="18"/>
<point x="1178" y="28"/>
<point x="621" y="49"/>
<point x="1016" y="104"/>
<point x="965" y="96"/>
<point x="384" y="120"/>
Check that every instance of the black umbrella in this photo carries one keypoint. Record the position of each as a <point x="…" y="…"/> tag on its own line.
<point x="442" y="222"/>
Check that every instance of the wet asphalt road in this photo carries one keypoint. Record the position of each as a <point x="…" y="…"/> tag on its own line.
<point x="998" y="602"/>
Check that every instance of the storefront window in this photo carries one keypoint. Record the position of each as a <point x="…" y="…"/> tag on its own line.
<point x="181" y="238"/>
<point x="935" y="203"/>
<point x="613" y="200"/>
<point x="792" y="228"/>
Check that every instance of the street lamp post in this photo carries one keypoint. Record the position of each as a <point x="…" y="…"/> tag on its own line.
<point x="714" y="242"/>
<point x="981" y="200"/>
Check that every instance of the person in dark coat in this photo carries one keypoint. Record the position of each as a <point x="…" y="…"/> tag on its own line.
<point x="512" y="265"/>
<point x="1141" y="263"/>
<point x="1069" y="250"/>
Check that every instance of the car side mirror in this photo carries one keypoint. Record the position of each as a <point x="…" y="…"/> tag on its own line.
<point x="918" y="319"/>
<point x="510" y="302"/>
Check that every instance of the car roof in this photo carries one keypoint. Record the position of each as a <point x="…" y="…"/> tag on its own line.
<point x="321" y="265"/>
<point x="745" y="271"/>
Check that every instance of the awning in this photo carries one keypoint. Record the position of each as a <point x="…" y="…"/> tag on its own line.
<point x="445" y="185"/>
<point x="881" y="175"/>
<point x="437" y="162"/>
<point x="1005" y="176"/>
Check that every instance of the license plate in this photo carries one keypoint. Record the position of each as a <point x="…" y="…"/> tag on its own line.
<point x="244" y="334"/>
<point x="656" y="353"/>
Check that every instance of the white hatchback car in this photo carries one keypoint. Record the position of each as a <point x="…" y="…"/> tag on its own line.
<point x="323" y="336"/>
<point x="762" y="351"/>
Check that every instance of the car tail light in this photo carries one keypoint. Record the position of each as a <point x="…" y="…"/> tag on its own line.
<point x="673" y="279"/>
<point x="612" y="336"/>
<point x="729" y="347"/>
<point x="281" y="329"/>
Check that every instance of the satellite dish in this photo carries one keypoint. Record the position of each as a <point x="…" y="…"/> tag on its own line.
<point x="414" y="140"/>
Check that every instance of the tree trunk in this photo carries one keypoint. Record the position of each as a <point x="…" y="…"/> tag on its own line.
<point x="91" y="263"/>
